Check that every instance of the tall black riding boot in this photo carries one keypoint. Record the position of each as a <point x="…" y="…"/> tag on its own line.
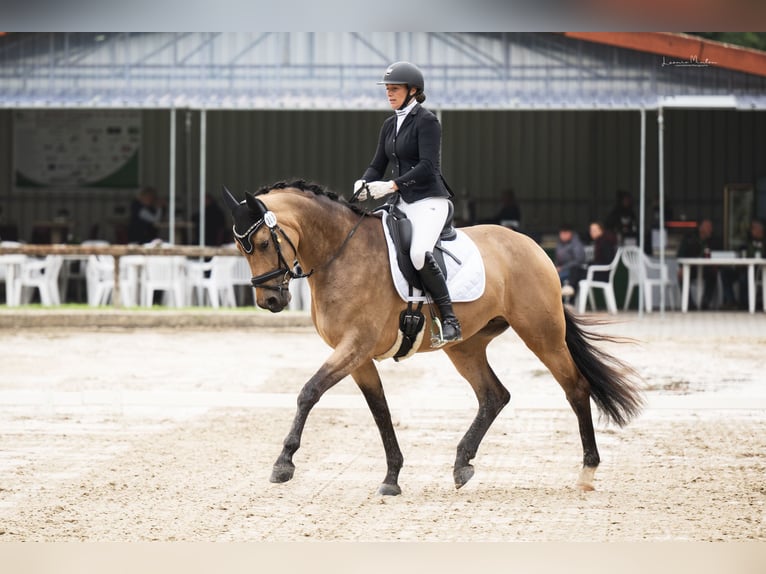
<point x="433" y="281"/>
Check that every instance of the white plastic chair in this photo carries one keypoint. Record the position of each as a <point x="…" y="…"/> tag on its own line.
<point x="300" y="295"/>
<point x="99" y="281"/>
<point x="43" y="275"/>
<point x="241" y="276"/>
<point x="75" y="269"/>
<point x="164" y="273"/>
<point x="212" y="281"/>
<point x="645" y="272"/>
<point x="9" y="265"/>
<point x="587" y="285"/>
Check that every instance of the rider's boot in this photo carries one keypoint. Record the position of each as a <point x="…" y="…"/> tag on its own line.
<point x="433" y="281"/>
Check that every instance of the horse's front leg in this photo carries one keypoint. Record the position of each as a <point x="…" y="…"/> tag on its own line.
<point x="470" y="359"/>
<point x="340" y="364"/>
<point x="368" y="380"/>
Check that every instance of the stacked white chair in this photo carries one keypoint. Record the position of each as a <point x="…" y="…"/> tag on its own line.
<point x="212" y="281"/>
<point x="650" y="275"/>
<point x="43" y="275"/>
<point x="10" y="278"/>
<point x="241" y="277"/>
<point x="166" y="274"/>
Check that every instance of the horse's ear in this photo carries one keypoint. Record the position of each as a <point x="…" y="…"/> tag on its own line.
<point x="229" y="199"/>
<point x="254" y="205"/>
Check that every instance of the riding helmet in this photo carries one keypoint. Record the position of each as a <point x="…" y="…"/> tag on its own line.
<point x="404" y="73"/>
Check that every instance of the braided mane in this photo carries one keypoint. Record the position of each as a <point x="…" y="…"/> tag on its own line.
<point x="315" y="188"/>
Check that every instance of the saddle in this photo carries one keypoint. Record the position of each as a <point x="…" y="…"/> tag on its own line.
<point x="412" y="320"/>
<point x="400" y="230"/>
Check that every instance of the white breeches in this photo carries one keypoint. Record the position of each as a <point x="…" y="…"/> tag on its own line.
<point x="428" y="217"/>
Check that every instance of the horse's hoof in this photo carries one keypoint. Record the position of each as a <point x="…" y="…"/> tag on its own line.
<point x="462" y="475"/>
<point x="389" y="489"/>
<point x="585" y="480"/>
<point x="282" y="473"/>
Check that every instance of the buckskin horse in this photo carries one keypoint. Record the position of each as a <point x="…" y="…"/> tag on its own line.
<point x="299" y="229"/>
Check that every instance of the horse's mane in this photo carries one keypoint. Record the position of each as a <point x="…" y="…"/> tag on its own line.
<point x="315" y="188"/>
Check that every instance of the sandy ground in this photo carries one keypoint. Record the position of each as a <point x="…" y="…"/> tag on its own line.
<point x="169" y="434"/>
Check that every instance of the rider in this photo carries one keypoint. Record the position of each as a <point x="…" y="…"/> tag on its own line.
<point x="410" y="141"/>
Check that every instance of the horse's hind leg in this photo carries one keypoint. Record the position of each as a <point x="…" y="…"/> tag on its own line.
<point x="368" y="380"/>
<point x="470" y="359"/>
<point x="555" y="355"/>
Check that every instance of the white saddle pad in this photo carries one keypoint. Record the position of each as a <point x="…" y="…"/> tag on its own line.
<point x="465" y="281"/>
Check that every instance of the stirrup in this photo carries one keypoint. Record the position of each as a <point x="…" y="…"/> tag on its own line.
<point x="437" y="332"/>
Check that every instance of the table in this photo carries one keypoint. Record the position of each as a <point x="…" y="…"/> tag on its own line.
<point x="687" y="263"/>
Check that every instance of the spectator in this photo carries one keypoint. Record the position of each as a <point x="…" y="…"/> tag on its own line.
<point x="699" y="243"/>
<point x="146" y="211"/>
<point x="604" y="248"/>
<point x="510" y="213"/>
<point x="622" y="219"/>
<point x="570" y="256"/>
<point x="753" y="247"/>
<point x="215" y="223"/>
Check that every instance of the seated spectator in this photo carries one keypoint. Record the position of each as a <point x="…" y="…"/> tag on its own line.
<point x="622" y="218"/>
<point x="146" y="211"/>
<point x="570" y="256"/>
<point x="510" y="213"/>
<point x="699" y="243"/>
<point x="604" y="248"/>
<point x="753" y="247"/>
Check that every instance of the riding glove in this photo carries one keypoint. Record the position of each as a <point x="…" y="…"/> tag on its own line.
<point x="359" y="188"/>
<point x="378" y="189"/>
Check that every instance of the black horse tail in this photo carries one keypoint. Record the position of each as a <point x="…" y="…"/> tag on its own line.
<point x="613" y="383"/>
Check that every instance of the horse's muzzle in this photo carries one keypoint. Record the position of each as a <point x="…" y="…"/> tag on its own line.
<point x="274" y="301"/>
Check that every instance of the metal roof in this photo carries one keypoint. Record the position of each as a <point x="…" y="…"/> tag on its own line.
<point x="327" y="70"/>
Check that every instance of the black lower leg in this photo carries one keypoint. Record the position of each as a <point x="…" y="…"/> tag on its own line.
<point x="434" y="282"/>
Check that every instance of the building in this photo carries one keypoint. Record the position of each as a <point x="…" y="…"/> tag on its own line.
<point x="556" y="116"/>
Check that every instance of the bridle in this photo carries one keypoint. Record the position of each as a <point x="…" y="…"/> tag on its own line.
<point x="284" y="270"/>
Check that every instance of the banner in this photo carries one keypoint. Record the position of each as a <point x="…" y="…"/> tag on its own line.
<point x="77" y="148"/>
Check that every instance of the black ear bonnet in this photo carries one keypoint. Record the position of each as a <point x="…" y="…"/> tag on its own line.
<point x="248" y="216"/>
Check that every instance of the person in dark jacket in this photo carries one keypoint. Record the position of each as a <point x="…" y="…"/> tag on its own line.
<point x="410" y="143"/>
<point x="604" y="248"/>
<point x="699" y="243"/>
<point x="146" y="212"/>
<point x="570" y="256"/>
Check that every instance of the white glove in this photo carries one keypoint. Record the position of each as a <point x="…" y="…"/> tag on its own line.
<point x="378" y="189"/>
<point x="359" y="186"/>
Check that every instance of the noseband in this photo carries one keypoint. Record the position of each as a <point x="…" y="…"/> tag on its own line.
<point x="284" y="270"/>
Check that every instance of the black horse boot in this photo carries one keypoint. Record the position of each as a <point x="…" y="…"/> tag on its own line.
<point x="433" y="281"/>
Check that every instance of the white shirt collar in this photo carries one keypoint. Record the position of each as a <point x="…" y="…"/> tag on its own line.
<point x="401" y="114"/>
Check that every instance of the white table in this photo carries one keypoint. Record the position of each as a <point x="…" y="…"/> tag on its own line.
<point x="687" y="263"/>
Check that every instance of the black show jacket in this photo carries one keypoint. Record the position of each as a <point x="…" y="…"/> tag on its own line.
<point x="413" y="154"/>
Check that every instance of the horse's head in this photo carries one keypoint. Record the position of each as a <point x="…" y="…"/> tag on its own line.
<point x="261" y="240"/>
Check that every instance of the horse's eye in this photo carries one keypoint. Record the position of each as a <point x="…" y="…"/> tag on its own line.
<point x="263" y="244"/>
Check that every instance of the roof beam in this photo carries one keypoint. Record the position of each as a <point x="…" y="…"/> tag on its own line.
<point x="690" y="48"/>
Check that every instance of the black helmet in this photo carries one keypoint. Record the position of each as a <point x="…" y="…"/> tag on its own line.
<point x="404" y="73"/>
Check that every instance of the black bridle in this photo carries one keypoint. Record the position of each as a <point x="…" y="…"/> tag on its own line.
<point x="283" y="270"/>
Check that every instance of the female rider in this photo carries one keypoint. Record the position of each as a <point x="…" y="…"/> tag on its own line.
<point x="410" y="141"/>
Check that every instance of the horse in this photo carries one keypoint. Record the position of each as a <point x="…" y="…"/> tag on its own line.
<point x="299" y="229"/>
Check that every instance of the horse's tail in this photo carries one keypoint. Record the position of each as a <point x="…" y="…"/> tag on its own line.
<point x="612" y="382"/>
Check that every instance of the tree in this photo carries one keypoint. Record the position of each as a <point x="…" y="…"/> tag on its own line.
<point x="756" y="40"/>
